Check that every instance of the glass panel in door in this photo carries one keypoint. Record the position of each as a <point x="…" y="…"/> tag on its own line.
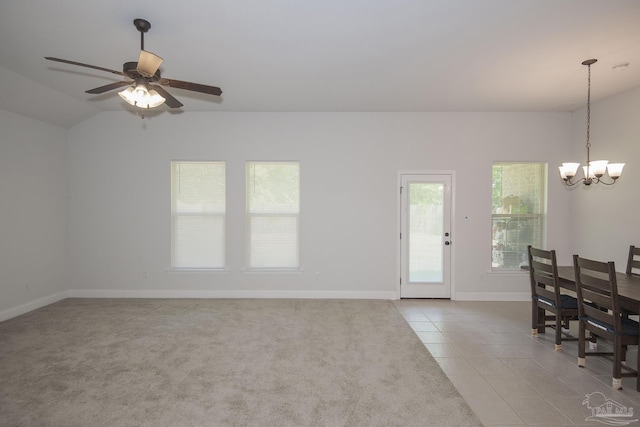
<point x="425" y="248"/>
<point x="425" y="231"/>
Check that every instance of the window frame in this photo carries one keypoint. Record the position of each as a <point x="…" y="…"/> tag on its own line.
<point x="539" y="217"/>
<point x="174" y="214"/>
<point x="250" y="215"/>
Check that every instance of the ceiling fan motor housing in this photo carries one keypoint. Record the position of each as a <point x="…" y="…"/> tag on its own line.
<point x="130" y="69"/>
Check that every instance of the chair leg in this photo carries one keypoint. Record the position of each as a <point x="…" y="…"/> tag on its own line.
<point x="534" y="318"/>
<point x="617" y="364"/>
<point x="616" y="384"/>
<point x="638" y="374"/>
<point x="558" y="332"/>
<point x="581" y="344"/>
<point x="542" y="320"/>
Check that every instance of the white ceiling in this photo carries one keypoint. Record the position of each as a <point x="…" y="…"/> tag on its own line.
<point x="323" y="55"/>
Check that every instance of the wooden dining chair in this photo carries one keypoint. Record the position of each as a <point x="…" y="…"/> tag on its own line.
<point x="633" y="268"/>
<point x="546" y="296"/>
<point x="600" y="314"/>
<point x="633" y="263"/>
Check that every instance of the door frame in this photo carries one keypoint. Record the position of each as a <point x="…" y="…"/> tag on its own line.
<point x="454" y="239"/>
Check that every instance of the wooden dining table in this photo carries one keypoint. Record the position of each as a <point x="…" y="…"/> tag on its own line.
<point x="628" y="287"/>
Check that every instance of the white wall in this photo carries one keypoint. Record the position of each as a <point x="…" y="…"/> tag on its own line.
<point x="116" y="197"/>
<point x="605" y="218"/>
<point x="33" y="214"/>
<point x="120" y="196"/>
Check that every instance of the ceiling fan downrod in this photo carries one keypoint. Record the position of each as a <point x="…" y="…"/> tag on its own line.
<point x="143" y="26"/>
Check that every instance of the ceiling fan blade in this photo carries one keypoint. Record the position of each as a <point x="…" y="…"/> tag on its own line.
<point x="107" y="88"/>
<point x="148" y="63"/>
<point x="120" y="73"/>
<point x="195" y="87"/>
<point x="169" y="99"/>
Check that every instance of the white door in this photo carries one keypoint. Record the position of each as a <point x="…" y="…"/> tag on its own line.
<point x="425" y="236"/>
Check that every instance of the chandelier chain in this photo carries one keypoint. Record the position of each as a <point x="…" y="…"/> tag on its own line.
<point x="588" y="114"/>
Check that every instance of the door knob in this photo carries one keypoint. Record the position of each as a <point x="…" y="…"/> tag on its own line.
<point x="447" y="242"/>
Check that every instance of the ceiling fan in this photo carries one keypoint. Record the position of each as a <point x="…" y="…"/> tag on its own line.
<point x="141" y="92"/>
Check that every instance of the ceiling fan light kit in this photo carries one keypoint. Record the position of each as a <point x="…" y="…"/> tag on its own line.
<point x="140" y="92"/>
<point x="595" y="169"/>
<point x="142" y="97"/>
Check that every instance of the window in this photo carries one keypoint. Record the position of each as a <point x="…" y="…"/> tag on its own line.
<point x="198" y="205"/>
<point x="519" y="212"/>
<point x="273" y="215"/>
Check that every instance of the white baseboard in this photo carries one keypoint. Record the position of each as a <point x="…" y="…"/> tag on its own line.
<point x="113" y="293"/>
<point x="493" y="296"/>
<point x="32" y="305"/>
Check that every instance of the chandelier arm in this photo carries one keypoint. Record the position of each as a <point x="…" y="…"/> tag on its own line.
<point x="600" y="181"/>
<point x="571" y="183"/>
<point x="586" y="181"/>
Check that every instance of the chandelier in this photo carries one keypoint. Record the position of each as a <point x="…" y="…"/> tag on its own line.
<point x="595" y="169"/>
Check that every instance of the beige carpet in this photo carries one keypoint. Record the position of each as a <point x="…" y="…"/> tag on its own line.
<point x="105" y="362"/>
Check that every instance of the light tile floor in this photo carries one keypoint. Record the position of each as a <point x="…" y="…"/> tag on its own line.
<point x="509" y="377"/>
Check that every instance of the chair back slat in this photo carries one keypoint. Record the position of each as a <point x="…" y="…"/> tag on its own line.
<point x="633" y="263"/>
<point x="597" y="291"/>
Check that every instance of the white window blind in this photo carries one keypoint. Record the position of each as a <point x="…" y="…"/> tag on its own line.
<point x="273" y="215"/>
<point x="519" y="212"/>
<point x="198" y="206"/>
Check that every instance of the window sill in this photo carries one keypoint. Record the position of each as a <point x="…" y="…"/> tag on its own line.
<point x="508" y="272"/>
<point x="174" y="270"/>
<point x="273" y="270"/>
